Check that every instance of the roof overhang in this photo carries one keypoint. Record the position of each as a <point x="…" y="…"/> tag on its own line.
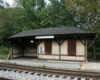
<point x="86" y="35"/>
<point x="47" y="32"/>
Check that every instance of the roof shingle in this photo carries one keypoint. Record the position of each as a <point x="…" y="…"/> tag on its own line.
<point x="49" y="31"/>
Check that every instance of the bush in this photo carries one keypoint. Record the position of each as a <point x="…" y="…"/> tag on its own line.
<point x="98" y="57"/>
<point x="4" y="50"/>
<point x="3" y="56"/>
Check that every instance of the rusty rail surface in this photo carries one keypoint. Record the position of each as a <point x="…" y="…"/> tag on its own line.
<point x="58" y="72"/>
<point x="4" y="79"/>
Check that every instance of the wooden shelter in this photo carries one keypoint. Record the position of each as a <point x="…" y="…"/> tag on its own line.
<point x="63" y="43"/>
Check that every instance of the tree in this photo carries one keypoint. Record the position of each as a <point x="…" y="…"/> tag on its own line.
<point x="33" y="14"/>
<point x="38" y="14"/>
<point x="11" y="20"/>
<point x="60" y="14"/>
<point x="88" y="12"/>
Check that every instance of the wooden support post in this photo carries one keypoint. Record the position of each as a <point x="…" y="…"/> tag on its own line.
<point x="59" y="47"/>
<point x="84" y="43"/>
<point x="37" y="42"/>
<point x="59" y="52"/>
<point x="94" y="53"/>
<point x="37" y="51"/>
<point x="11" y="51"/>
<point x="60" y="43"/>
<point x="86" y="51"/>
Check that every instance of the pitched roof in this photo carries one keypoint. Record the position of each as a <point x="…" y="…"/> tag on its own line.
<point x="49" y="31"/>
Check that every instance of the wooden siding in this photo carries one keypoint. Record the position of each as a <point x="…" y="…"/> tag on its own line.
<point x="55" y="48"/>
<point x="30" y="49"/>
<point x="30" y="54"/>
<point x="41" y="45"/>
<point x="64" y="48"/>
<point x="80" y="51"/>
<point x="24" y="48"/>
<point x="75" y="58"/>
<point x="48" y="57"/>
<point x="80" y="48"/>
<point x="17" y="51"/>
<point x="17" y="55"/>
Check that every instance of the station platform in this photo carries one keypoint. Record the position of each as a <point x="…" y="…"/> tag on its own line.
<point x="89" y="66"/>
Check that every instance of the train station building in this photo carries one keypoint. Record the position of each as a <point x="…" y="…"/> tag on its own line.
<point x="61" y="43"/>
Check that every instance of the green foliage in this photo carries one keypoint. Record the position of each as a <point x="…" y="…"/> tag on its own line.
<point x="3" y="56"/>
<point x="88" y="12"/>
<point x="43" y="66"/>
<point x="96" y="44"/>
<point x="4" y="50"/>
<point x="40" y="15"/>
<point x="60" y="15"/>
<point x="34" y="14"/>
<point x="81" y="65"/>
<point x="10" y="63"/>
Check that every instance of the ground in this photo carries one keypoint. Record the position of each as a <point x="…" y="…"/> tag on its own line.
<point x="90" y="66"/>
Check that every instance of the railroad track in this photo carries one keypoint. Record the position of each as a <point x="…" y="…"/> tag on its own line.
<point x="3" y="79"/>
<point x="58" y="72"/>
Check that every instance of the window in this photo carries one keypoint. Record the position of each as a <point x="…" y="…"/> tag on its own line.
<point x="41" y="49"/>
<point x="48" y="46"/>
<point x="72" y="47"/>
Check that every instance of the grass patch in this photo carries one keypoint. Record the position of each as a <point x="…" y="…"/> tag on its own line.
<point x="4" y="51"/>
<point x="10" y="63"/>
<point x="81" y="65"/>
<point x="42" y="66"/>
<point x="3" y="56"/>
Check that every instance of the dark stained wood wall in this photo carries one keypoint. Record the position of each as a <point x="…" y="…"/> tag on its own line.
<point x="48" y="46"/>
<point x="72" y="47"/>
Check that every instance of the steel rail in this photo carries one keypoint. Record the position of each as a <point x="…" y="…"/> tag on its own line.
<point x="4" y="79"/>
<point x="58" y="72"/>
